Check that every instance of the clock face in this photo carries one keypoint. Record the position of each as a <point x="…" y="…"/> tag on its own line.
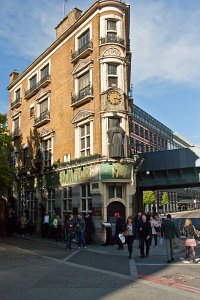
<point x="114" y="97"/>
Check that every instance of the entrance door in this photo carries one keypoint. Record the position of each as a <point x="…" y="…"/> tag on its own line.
<point x="114" y="207"/>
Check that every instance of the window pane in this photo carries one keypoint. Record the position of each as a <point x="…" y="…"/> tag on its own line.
<point x="88" y="128"/>
<point x="69" y="204"/>
<point x="84" y="81"/>
<point x="88" y="141"/>
<point x="111" y="192"/>
<point x="44" y="106"/>
<point x="112" y="81"/>
<point x="83" y="143"/>
<point x="88" y="190"/>
<point x="33" y="81"/>
<point x="45" y="72"/>
<point x="119" y="191"/>
<point x="69" y="192"/>
<point x="64" y="193"/>
<point x="82" y="131"/>
<point x="89" y="204"/>
<point x="112" y="36"/>
<point x="64" y="204"/>
<point x="112" y="69"/>
<point x="83" y="191"/>
<point x="17" y="94"/>
<point x="83" y="204"/>
<point x="111" y="25"/>
<point x="84" y="39"/>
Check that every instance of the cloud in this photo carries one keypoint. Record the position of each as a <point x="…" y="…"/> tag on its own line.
<point x="166" y="42"/>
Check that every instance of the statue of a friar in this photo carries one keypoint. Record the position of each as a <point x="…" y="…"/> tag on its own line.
<point x="116" y="137"/>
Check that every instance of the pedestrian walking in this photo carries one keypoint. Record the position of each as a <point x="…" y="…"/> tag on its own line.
<point x="130" y="234"/>
<point x="190" y="233"/>
<point x="45" y="225"/>
<point x="144" y="233"/>
<point x="119" y="226"/>
<point x="154" y="231"/>
<point x="69" y="227"/>
<point x="89" y="229"/>
<point x="80" y="231"/>
<point x="169" y="232"/>
<point x="57" y="223"/>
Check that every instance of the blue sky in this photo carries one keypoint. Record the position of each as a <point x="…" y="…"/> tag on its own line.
<point x="165" y="43"/>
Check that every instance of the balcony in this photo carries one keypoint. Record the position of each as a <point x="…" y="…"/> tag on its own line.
<point x="42" y="119"/>
<point x="40" y="84"/>
<point x="16" y="103"/>
<point x="16" y="133"/>
<point x="112" y="40"/>
<point x="82" y="96"/>
<point x="82" y="52"/>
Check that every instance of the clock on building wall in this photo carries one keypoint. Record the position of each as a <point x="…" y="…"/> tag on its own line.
<point x="114" y="97"/>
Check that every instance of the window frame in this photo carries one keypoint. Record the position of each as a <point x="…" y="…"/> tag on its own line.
<point x="87" y="198"/>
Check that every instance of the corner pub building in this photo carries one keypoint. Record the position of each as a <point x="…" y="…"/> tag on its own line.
<point x="70" y="118"/>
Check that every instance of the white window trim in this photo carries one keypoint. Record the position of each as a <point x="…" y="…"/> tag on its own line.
<point x="19" y="87"/>
<point x="78" y="136"/>
<point x="87" y="197"/>
<point x="103" y="24"/>
<point x="104" y="73"/>
<point x="32" y="75"/>
<point x="15" y="117"/>
<point x="42" y="66"/>
<point x="46" y="96"/>
<point x="47" y="137"/>
<point x="84" y="29"/>
<point x="82" y="72"/>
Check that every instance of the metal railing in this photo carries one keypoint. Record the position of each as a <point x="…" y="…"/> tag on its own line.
<point x="16" y="102"/>
<point x="89" y="45"/>
<point x="87" y="91"/>
<point x="16" y="132"/>
<point x="114" y="39"/>
<point x="37" y="85"/>
<point x="43" y="116"/>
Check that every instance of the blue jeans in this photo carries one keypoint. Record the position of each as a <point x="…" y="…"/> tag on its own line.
<point x="81" y="238"/>
<point x="69" y="240"/>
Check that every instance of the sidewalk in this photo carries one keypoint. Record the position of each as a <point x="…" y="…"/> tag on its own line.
<point x="110" y="249"/>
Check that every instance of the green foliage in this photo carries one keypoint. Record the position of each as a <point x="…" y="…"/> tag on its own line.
<point x="164" y="199"/>
<point x="6" y="172"/>
<point x="149" y="197"/>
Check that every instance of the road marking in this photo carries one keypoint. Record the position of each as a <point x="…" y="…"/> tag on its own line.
<point x="71" y="255"/>
<point x="133" y="269"/>
<point x="166" y="264"/>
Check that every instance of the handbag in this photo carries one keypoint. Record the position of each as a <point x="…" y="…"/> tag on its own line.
<point x="125" y="233"/>
<point x="157" y="229"/>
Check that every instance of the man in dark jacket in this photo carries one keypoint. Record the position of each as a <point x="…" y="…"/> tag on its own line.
<point x="169" y="231"/>
<point x="144" y="233"/>
<point x="119" y="229"/>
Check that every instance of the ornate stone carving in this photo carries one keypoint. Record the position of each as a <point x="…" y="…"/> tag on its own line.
<point x="112" y="52"/>
<point x="81" y="115"/>
<point x="83" y="63"/>
<point x="46" y="131"/>
<point x="42" y="93"/>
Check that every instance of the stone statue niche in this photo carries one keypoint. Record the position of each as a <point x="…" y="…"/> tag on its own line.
<point x="116" y="137"/>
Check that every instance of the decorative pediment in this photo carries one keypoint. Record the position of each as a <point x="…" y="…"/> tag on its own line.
<point x="46" y="131"/>
<point x="82" y="115"/>
<point x="42" y="93"/>
<point x="113" y="52"/>
<point x="83" y="63"/>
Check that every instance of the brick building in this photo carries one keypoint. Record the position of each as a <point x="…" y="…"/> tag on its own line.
<point x="68" y="111"/>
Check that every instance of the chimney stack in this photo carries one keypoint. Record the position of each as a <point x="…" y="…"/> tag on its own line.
<point x="13" y="75"/>
<point x="68" y="21"/>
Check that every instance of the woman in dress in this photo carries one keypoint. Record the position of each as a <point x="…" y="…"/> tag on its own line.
<point x="190" y="233"/>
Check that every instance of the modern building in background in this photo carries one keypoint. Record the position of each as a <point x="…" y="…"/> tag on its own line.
<point x="70" y="118"/>
<point x="148" y="135"/>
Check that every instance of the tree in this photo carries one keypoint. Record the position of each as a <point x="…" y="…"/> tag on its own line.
<point x="149" y="197"/>
<point x="164" y="199"/>
<point x="6" y="172"/>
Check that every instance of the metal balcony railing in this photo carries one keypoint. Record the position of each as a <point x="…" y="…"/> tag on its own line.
<point x="44" y="81"/>
<point x="88" y="46"/>
<point x="16" y="133"/>
<point x="113" y="39"/>
<point x="16" y="103"/>
<point x="82" y="94"/>
<point x="43" y="118"/>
